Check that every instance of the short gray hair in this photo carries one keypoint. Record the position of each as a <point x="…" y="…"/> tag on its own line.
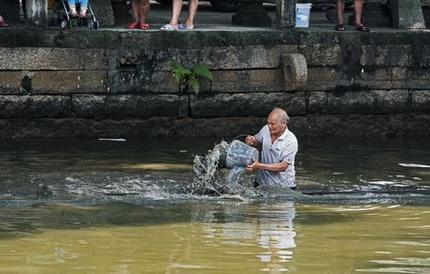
<point x="282" y="114"/>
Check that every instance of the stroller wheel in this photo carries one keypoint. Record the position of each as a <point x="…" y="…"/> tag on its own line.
<point x="90" y="24"/>
<point x="65" y="24"/>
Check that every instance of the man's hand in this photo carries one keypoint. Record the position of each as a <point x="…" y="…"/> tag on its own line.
<point x="254" y="166"/>
<point x="251" y="140"/>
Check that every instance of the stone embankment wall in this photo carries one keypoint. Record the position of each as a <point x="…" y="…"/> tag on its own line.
<point x="91" y="84"/>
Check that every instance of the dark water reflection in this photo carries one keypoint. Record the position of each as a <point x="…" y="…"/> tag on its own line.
<point x="215" y="237"/>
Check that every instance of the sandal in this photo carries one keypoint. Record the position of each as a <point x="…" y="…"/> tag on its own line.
<point x="362" y="28"/>
<point x="185" y="27"/>
<point x="133" y="25"/>
<point x="169" y="27"/>
<point x="340" y="27"/>
<point x="144" y="26"/>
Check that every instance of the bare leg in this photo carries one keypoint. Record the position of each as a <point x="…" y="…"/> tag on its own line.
<point x="135" y="10"/>
<point x="73" y="11"/>
<point x="340" y="6"/>
<point x="143" y="10"/>
<point x="358" y="12"/>
<point x="83" y="12"/>
<point x="176" y="11"/>
<point x="192" y="10"/>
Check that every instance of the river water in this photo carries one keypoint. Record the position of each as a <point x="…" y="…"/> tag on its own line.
<point x="126" y="207"/>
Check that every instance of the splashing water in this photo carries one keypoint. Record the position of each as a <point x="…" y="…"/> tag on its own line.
<point x="208" y="176"/>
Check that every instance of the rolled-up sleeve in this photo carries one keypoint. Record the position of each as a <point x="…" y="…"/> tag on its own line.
<point x="289" y="152"/>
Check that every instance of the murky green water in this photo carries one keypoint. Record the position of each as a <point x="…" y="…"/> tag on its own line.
<point x="120" y="207"/>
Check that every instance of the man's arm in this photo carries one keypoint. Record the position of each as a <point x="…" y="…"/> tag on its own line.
<point x="276" y="167"/>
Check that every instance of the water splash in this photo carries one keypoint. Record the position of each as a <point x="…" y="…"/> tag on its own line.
<point x="210" y="178"/>
<point x="207" y="179"/>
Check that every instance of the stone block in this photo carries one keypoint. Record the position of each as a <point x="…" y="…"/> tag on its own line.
<point x="317" y="102"/>
<point x="216" y="58"/>
<point x="387" y="85"/>
<point x="248" y="80"/>
<point x="388" y="56"/>
<point x="10" y="82"/>
<point x="61" y="82"/>
<point x="130" y="81"/>
<point x="226" y="127"/>
<point x="321" y="79"/>
<point x="417" y="79"/>
<point x="109" y="106"/>
<point x="34" y="106"/>
<point x="244" y="57"/>
<point x="320" y="54"/>
<point x="424" y="57"/>
<point x="421" y="101"/>
<point x="161" y="82"/>
<point x="252" y="104"/>
<point x="399" y="73"/>
<point x="359" y="125"/>
<point x="51" y="59"/>
<point x="372" y="101"/>
<point x="376" y="74"/>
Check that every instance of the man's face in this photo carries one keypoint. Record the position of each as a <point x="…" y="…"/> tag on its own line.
<point x="276" y="127"/>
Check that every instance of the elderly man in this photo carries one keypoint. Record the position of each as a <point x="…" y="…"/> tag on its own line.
<point x="278" y="150"/>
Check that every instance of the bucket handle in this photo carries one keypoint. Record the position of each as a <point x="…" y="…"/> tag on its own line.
<point x="239" y="136"/>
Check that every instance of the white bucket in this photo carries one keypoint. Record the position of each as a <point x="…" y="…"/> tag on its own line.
<point x="303" y="12"/>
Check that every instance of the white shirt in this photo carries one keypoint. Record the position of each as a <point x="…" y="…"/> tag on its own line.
<point x="284" y="149"/>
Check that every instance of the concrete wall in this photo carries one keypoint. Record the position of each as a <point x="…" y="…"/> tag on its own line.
<point x="91" y="84"/>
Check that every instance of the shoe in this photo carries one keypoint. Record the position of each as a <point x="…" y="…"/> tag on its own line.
<point x="3" y="24"/>
<point x="185" y="27"/>
<point x="133" y="25"/>
<point x="169" y="27"/>
<point x="362" y="28"/>
<point x="144" y="26"/>
<point x="339" y="27"/>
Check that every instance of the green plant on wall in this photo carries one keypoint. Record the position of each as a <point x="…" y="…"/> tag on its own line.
<point x="190" y="77"/>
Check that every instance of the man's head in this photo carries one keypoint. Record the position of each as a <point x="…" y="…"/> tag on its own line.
<point x="277" y="121"/>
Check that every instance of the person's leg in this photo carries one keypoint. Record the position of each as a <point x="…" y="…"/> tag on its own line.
<point x="135" y="13"/>
<point x="143" y="13"/>
<point x="340" y="6"/>
<point x="176" y="11"/>
<point x="72" y="8"/>
<point x="135" y="10"/>
<point x="84" y="8"/>
<point x="358" y="16"/>
<point x="192" y="11"/>
<point x="358" y="12"/>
